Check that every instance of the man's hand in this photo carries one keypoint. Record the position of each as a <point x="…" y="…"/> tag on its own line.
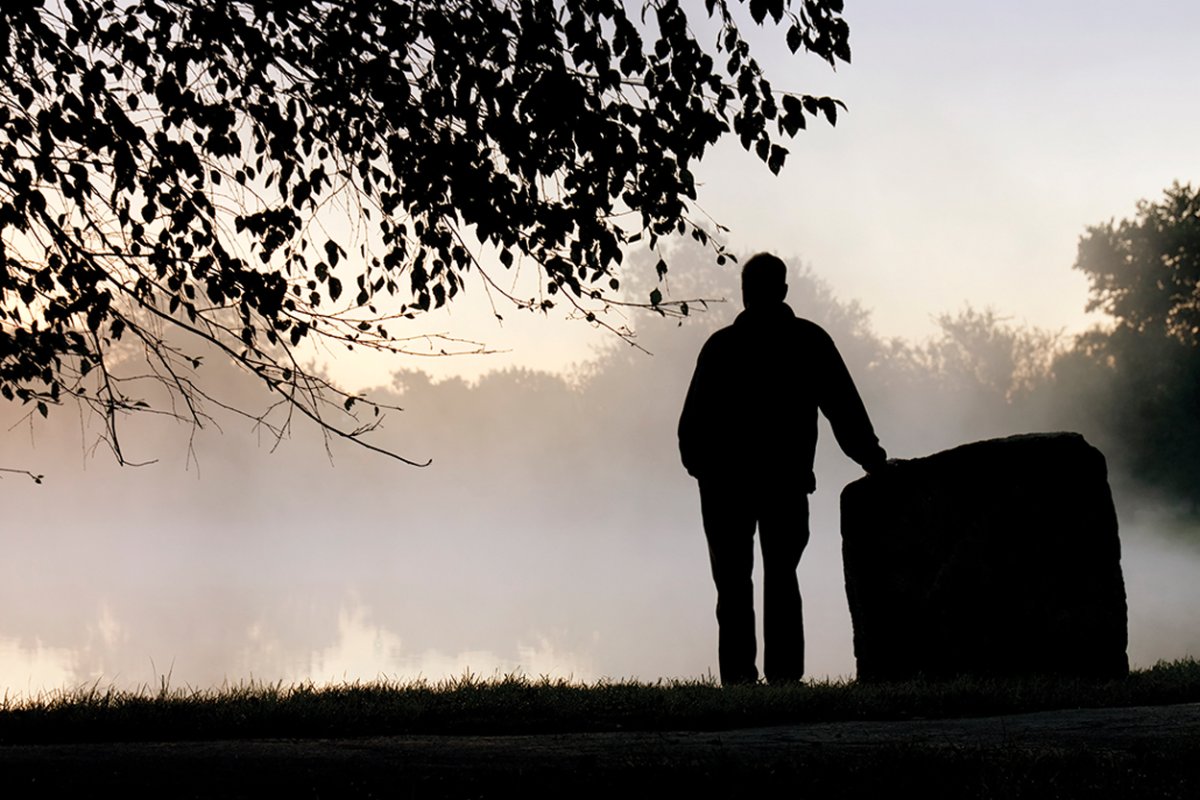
<point x="881" y="466"/>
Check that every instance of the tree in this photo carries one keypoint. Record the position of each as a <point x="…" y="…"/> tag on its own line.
<point x="1145" y="272"/>
<point x="1144" y="372"/>
<point x="252" y="174"/>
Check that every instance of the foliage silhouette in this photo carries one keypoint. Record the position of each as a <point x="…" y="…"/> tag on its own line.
<point x="1145" y="272"/>
<point x="1143" y="374"/>
<point x="259" y="174"/>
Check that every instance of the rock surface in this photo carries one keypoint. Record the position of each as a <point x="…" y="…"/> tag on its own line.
<point x="996" y="557"/>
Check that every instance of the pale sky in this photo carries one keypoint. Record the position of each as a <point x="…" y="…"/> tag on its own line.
<point x="981" y="140"/>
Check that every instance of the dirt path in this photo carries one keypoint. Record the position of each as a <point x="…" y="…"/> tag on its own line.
<point x="492" y="765"/>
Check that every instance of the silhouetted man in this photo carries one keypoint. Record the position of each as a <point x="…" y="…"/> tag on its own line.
<point x="748" y="434"/>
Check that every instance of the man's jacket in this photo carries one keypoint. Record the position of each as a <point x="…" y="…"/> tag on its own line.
<point x="751" y="409"/>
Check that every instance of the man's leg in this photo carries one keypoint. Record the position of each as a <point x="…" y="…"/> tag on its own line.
<point x="783" y="530"/>
<point x="729" y="528"/>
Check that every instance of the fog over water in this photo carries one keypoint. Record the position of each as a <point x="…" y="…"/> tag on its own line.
<point x="555" y="533"/>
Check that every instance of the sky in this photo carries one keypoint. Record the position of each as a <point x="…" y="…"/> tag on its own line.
<point x="980" y="141"/>
<point x="555" y="533"/>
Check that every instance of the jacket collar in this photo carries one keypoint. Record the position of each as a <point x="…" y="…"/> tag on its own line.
<point x="772" y="314"/>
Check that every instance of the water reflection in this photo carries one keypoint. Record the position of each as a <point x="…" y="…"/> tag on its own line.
<point x="29" y="671"/>
<point x="362" y="653"/>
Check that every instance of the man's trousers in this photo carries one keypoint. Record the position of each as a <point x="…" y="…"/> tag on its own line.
<point x="731" y="509"/>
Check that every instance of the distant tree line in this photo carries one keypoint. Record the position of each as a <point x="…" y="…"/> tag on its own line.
<point x="1132" y="386"/>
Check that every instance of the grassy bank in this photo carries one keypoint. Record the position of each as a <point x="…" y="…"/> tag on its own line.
<point x="522" y="705"/>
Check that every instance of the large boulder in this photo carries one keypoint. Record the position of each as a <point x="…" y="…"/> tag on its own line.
<point x="995" y="558"/>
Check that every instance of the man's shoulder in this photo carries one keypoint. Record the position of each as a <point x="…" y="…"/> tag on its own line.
<point x="811" y="330"/>
<point x="720" y="339"/>
<point x="740" y="335"/>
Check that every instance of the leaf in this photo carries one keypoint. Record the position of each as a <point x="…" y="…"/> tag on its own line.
<point x="655" y="297"/>
<point x="829" y="106"/>
<point x="792" y="119"/>
<point x="794" y="38"/>
<point x="776" y="159"/>
<point x="842" y="50"/>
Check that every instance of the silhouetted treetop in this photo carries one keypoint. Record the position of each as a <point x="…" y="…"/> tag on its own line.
<point x="255" y="173"/>
<point x="1145" y="272"/>
<point x="1143" y="374"/>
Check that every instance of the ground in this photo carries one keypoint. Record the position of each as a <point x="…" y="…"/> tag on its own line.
<point x="1146" y="751"/>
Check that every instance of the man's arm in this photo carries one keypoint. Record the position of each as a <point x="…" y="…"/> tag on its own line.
<point x="693" y="419"/>
<point x="841" y="404"/>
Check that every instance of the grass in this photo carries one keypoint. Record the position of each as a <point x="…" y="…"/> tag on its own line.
<point x="520" y="705"/>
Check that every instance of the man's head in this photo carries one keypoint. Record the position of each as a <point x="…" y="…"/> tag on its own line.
<point x="764" y="281"/>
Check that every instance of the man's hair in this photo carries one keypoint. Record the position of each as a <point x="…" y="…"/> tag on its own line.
<point x="764" y="278"/>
